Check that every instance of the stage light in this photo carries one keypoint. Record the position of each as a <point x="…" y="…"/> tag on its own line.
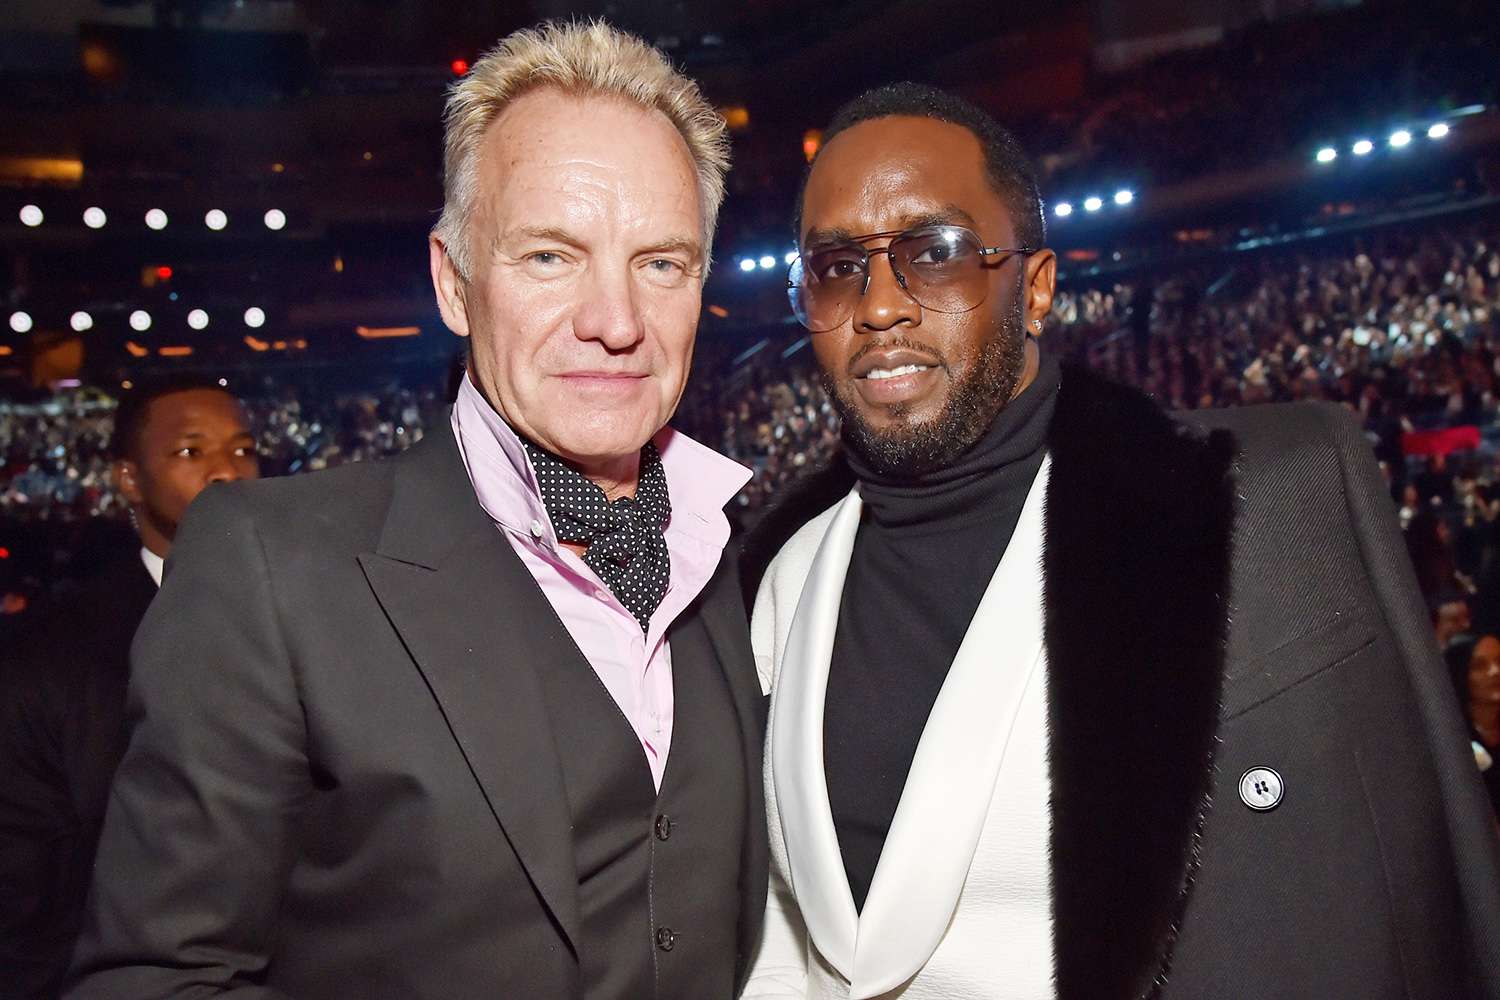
<point x="459" y="66"/>
<point x="163" y="273"/>
<point x="94" y="217"/>
<point x="1063" y="209"/>
<point x="275" y="219"/>
<point x="790" y="258"/>
<point x="1327" y="154"/>
<point x="215" y="219"/>
<point x="31" y="215"/>
<point x="20" y="321"/>
<point x="197" y="319"/>
<point x="1124" y="196"/>
<point x="1093" y="203"/>
<point x="1401" y="137"/>
<point x="255" y="317"/>
<point x="1438" y="131"/>
<point x="156" y="219"/>
<point x="223" y="383"/>
<point x="81" y="321"/>
<point x="1363" y="147"/>
<point x="140" y="321"/>
<point x="747" y="264"/>
<point x="767" y="262"/>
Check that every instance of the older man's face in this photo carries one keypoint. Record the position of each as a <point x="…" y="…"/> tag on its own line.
<point x="589" y="249"/>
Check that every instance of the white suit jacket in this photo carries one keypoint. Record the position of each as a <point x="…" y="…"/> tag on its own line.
<point x="960" y="904"/>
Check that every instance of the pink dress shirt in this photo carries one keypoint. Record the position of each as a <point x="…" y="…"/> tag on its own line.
<point x="635" y="668"/>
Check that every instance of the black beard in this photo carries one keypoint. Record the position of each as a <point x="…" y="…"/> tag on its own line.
<point x="909" y="450"/>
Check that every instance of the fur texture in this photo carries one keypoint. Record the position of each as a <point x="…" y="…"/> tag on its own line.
<point x="1139" y="526"/>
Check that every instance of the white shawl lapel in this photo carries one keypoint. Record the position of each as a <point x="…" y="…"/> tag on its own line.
<point x="947" y="796"/>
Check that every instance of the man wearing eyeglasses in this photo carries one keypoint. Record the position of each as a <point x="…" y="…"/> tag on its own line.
<point x="1072" y="698"/>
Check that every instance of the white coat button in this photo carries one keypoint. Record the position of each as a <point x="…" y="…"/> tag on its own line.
<point x="536" y="528"/>
<point x="1261" y="789"/>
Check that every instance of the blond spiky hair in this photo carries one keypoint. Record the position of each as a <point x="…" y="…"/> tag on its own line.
<point x="586" y="58"/>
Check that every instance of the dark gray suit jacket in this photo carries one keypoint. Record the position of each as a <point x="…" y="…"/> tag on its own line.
<point x="341" y="780"/>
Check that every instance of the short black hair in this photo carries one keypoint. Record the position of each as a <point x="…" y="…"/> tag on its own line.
<point x="135" y="404"/>
<point x="1010" y="170"/>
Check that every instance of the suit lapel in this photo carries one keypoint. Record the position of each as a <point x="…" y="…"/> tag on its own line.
<point x="1138" y="536"/>
<point x="946" y="801"/>
<point x="479" y="630"/>
<point x="801" y="784"/>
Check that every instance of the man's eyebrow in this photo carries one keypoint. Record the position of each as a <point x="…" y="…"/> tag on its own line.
<point x="550" y="234"/>
<point x="948" y="215"/>
<point x="675" y="244"/>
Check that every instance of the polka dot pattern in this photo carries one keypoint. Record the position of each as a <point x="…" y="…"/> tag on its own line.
<point x="624" y="537"/>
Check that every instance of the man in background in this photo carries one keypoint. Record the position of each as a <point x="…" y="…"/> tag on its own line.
<point x="62" y="691"/>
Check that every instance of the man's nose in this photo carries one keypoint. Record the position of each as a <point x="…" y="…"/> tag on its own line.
<point x="608" y="310"/>
<point x="886" y="302"/>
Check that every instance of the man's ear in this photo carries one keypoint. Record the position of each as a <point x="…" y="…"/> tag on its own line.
<point x="449" y="287"/>
<point x="127" y="481"/>
<point x="1041" y="282"/>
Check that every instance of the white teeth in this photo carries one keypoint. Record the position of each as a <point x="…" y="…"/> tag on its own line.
<point x="884" y="373"/>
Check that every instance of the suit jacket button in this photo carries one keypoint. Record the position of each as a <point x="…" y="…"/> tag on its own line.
<point x="665" y="939"/>
<point x="663" y="827"/>
<point x="1261" y="789"/>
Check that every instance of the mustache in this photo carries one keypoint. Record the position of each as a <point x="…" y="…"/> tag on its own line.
<point x="901" y="342"/>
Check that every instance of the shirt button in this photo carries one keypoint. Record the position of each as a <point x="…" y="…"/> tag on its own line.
<point x="665" y="939"/>
<point x="1261" y="789"/>
<point x="536" y="528"/>
<point x="663" y="827"/>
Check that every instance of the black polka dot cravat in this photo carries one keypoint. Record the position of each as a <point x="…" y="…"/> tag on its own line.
<point x="624" y="537"/>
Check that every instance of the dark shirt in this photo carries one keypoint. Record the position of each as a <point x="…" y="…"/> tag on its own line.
<point x="925" y="552"/>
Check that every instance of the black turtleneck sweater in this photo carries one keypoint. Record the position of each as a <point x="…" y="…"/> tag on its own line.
<point x="924" y="554"/>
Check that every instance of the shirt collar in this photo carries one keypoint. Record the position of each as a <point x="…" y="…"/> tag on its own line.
<point x="700" y="481"/>
<point x="154" y="564"/>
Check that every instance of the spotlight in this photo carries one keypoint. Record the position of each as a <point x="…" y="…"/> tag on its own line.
<point x="140" y="321"/>
<point x="275" y="219"/>
<point x="1063" y="209"/>
<point x="1401" y="137"/>
<point x="255" y="317"/>
<point x="81" y="321"/>
<point x="1327" y="154"/>
<point x="1124" y="196"/>
<point x="1093" y="203"/>
<point x="1362" y="148"/>
<point x="747" y="264"/>
<point x="790" y="258"/>
<point x="31" y="215"/>
<point x="94" y="217"/>
<point x="156" y="219"/>
<point x="215" y="219"/>
<point x="767" y="262"/>
<point x="20" y="321"/>
<point x="1438" y="131"/>
<point x="197" y="319"/>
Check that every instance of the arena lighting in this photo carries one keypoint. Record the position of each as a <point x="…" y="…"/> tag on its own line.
<point x="140" y="321"/>
<point x="747" y="264"/>
<point x="459" y="66"/>
<point x="275" y="219"/>
<point x="81" y="321"/>
<point x="156" y="219"/>
<point x="215" y="219"/>
<point x="767" y="262"/>
<point x="255" y="317"/>
<point x="790" y="258"/>
<point x="31" y="215"/>
<point x="1438" y="131"/>
<point x="94" y="217"/>
<point x="197" y="319"/>
<point x="1362" y="148"/>
<point x="1124" y="196"/>
<point x="1400" y="138"/>
<point x="1063" y="209"/>
<point x="163" y="273"/>
<point x="20" y="321"/>
<point x="224" y="383"/>
<point x="1093" y="203"/>
<point x="1327" y="154"/>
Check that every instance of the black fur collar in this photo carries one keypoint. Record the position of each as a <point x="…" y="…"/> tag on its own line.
<point x="1139" y="524"/>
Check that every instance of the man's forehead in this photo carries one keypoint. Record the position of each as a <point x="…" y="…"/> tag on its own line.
<point x="178" y="413"/>
<point x="891" y="172"/>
